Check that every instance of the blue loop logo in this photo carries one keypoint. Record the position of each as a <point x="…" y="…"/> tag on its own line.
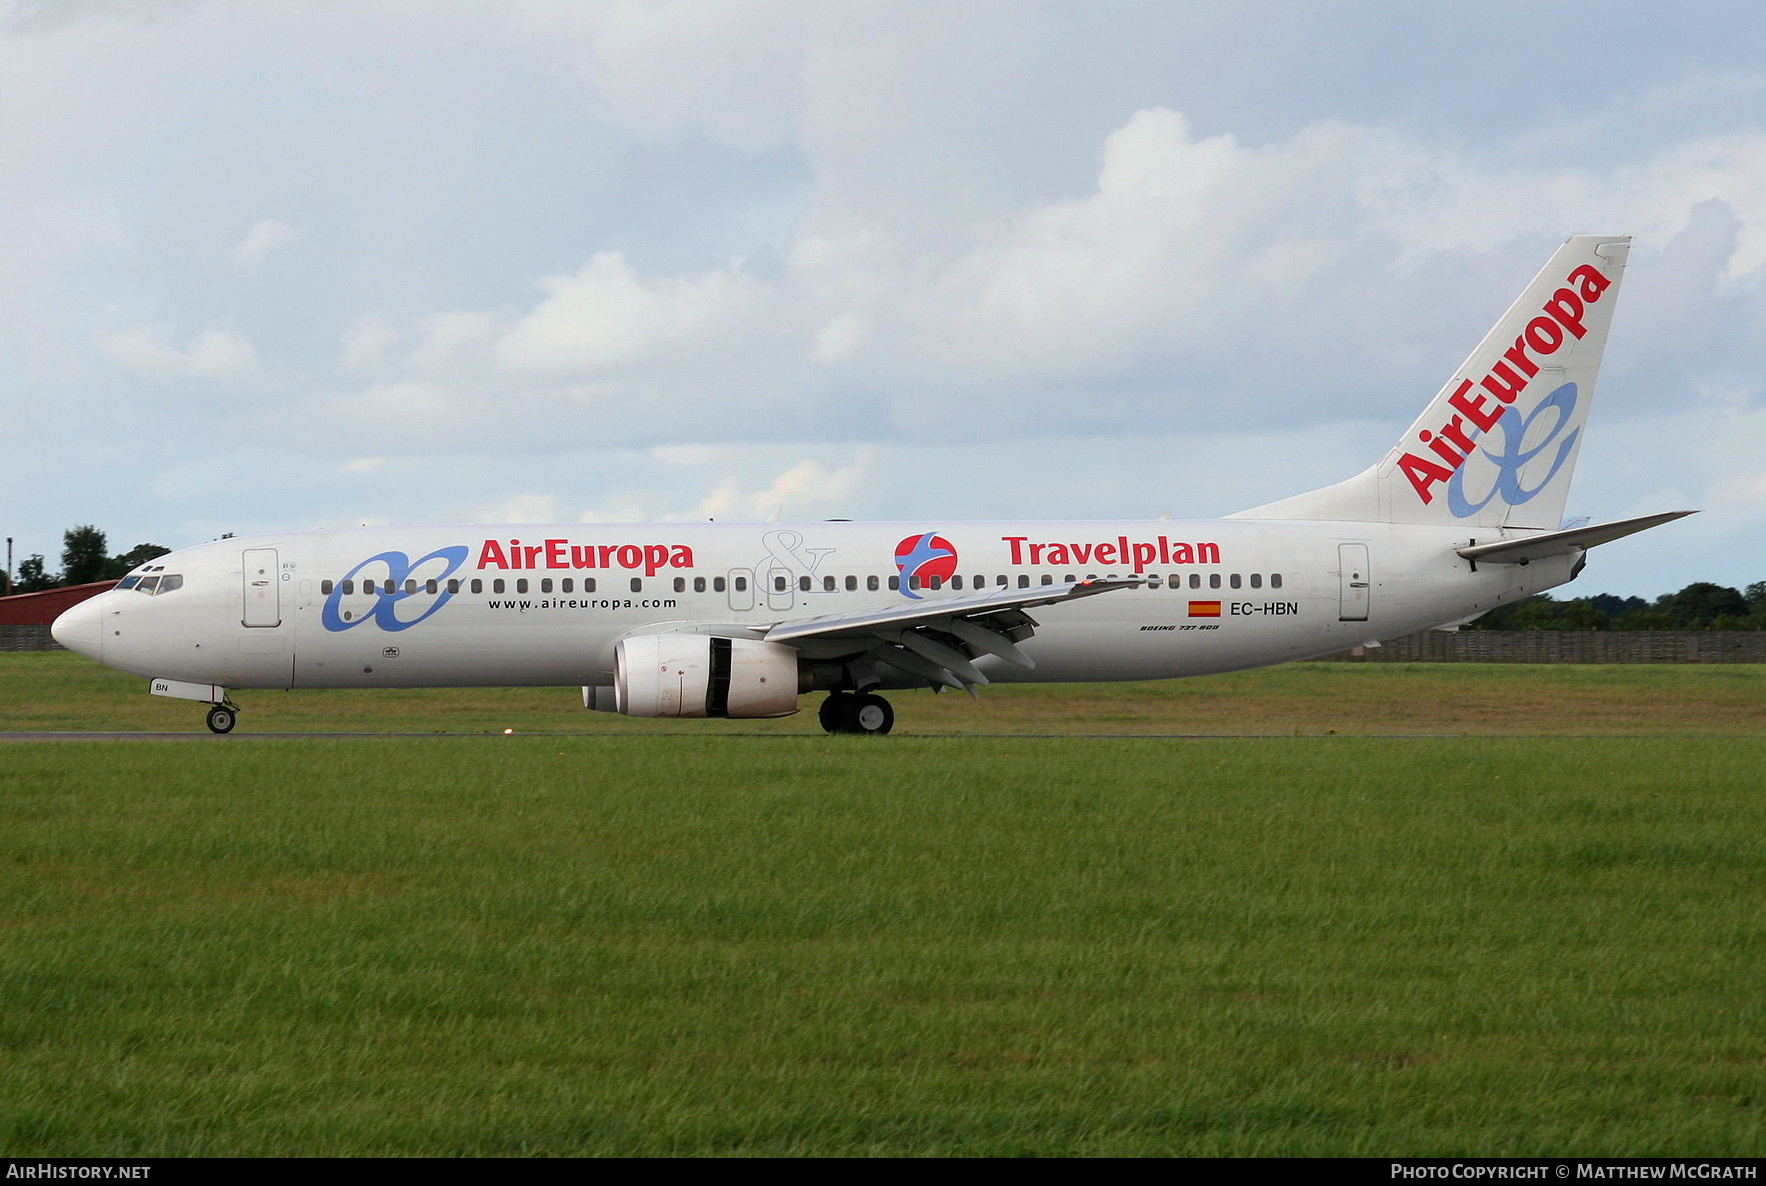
<point x="1513" y="459"/>
<point x="399" y="568"/>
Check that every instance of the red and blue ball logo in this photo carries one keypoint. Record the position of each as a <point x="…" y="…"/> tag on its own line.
<point x="924" y="556"/>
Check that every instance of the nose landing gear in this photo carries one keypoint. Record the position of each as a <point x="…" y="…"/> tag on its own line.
<point x="857" y="712"/>
<point x="222" y="718"/>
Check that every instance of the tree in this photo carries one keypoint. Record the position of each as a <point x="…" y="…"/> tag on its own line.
<point x="120" y="566"/>
<point x="1701" y="603"/>
<point x="84" y="555"/>
<point x="32" y="578"/>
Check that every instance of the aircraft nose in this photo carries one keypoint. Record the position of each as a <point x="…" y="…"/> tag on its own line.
<point x="81" y="629"/>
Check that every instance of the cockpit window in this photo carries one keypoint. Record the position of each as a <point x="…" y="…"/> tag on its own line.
<point x="127" y="582"/>
<point x="153" y="586"/>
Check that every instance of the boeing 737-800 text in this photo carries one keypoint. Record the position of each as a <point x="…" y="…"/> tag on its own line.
<point x="1463" y="514"/>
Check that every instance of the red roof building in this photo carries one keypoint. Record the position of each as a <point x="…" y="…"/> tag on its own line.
<point x="41" y="609"/>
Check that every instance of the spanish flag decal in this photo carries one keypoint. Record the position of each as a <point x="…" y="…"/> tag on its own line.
<point x="1204" y="609"/>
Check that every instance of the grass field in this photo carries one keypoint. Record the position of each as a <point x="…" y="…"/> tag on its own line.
<point x="60" y="691"/>
<point x="748" y="945"/>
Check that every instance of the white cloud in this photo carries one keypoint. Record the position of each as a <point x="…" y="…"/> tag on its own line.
<point x="215" y="354"/>
<point x="263" y="240"/>
<point x="607" y="315"/>
<point x="809" y="489"/>
<point x="366" y="344"/>
<point x="521" y="508"/>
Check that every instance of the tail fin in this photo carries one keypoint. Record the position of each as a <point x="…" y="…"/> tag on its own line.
<point x="1497" y="445"/>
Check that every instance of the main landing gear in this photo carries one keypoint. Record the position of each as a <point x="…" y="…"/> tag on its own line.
<point x="857" y="712"/>
<point x="222" y="718"/>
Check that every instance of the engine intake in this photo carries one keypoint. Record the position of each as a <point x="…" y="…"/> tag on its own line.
<point x="699" y="675"/>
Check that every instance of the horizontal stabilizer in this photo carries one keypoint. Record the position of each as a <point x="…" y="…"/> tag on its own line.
<point x="1558" y="543"/>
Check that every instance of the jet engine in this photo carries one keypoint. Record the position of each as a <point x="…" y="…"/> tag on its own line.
<point x="699" y="675"/>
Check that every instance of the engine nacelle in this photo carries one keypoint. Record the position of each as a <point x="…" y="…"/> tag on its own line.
<point x="700" y="675"/>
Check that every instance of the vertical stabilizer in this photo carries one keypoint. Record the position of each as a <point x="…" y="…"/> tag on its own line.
<point x="1497" y="445"/>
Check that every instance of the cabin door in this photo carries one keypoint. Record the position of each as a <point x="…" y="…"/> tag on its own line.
<point x="741" y="588"/>
<point x="780" y="591"/>
<point x="263" y="594"/>
<point x="1354" y="582"/>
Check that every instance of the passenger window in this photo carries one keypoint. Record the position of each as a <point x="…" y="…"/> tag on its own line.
<point x="1071" y="578"/>
<point x="497" y="586"/>
<point x="521" y="585"/>
<point x="1233" y="580"/>
<point x="1257" y="580"/>
<point x="803" y="584"/>
<point x="1195" y="580"/>
<point x="698" y="584"/>
<point x="741" y="584"/>
<point x="324" y="586"/>
<point x="680" y="584"/>
<point x="894" y="584"/>
<point x="1275" y="580"/>
<point x="778" y="584"/>
<point x="956" y="582"/>
<point x="477" y="585"/>
<point x="828" y="584"/>
<point x="913" y="582"/>
<point x="852" y="584"/>
<point x="567" y="585"/>
<point x="1024" y="580"/>
<point x="454" y="585"/>
<point x="431" y="587"/>
<point x="871" y="584"/>
<point x="1002" y="581"/>
<point x="1153" y="580"/>
<point x="1214" y="580"/>
<point x="1048" y="578"/>
<point x="637" y="585"/>
<point x="588" y="584"/>
<point x="717" y="585"/>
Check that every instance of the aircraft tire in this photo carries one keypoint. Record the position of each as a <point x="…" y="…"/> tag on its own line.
<point x="836" y="713"/>
<point x="871" y="714"/>
<point x="221" y="719"/>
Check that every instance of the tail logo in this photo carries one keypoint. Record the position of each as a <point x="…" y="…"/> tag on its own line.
<point x="1516" y="454"/>
<point x="923" y="557"/>
<point x="1560" y="323"/>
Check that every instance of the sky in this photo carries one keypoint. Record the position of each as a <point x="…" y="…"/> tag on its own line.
<point x="270" y="266"/>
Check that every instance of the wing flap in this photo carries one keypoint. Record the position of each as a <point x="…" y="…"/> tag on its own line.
<point x="939" y="640"/>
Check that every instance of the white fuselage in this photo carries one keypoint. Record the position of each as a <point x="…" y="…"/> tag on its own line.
<point x="546" y="605"/>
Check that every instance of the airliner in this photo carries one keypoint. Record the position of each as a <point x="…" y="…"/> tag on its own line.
<point x="1464" y="513"/>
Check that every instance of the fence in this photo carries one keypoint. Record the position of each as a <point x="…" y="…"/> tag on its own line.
<point x="27" y="638"/>
<point x="1428" y="646"/>
<point x="1565" y="646"/>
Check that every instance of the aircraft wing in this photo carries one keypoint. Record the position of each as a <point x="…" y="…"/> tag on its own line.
<point x="939" y="640"/>
<point x="1556" y="543"/>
